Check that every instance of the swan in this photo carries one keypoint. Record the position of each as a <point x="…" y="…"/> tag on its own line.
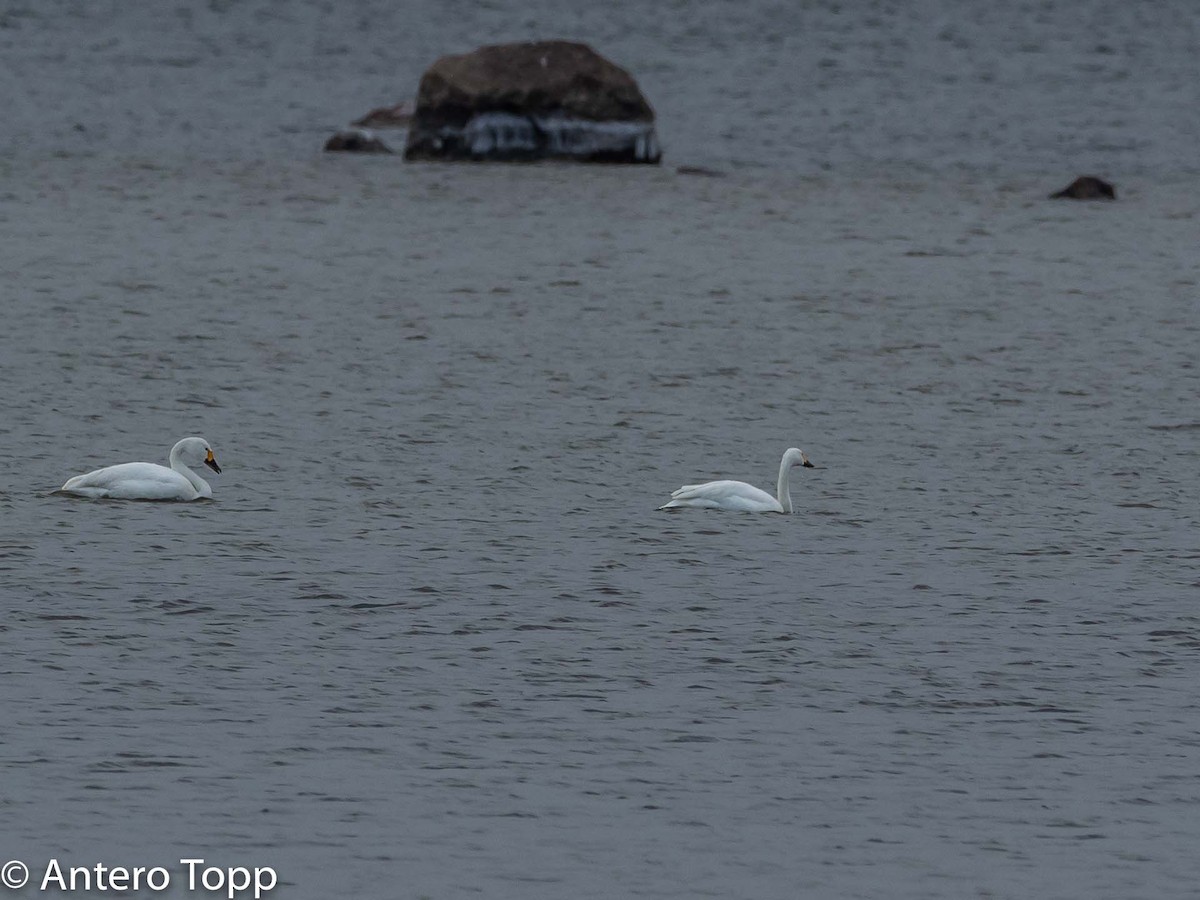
<point x="147" y="481"/>
<point x="739" y="496"/>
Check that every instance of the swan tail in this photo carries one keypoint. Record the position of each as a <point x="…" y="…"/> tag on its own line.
<point x="683" y="497"/>
<point x="79" y="487"/>
<point x="89" y="492"/>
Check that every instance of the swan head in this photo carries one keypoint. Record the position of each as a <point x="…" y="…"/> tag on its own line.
<point x="796" y="457"/>
<point x="193" y="451"/>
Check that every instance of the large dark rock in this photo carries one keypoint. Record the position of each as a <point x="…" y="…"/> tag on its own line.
<point x="549" y="99"/>
<point x="1086" y="187"/>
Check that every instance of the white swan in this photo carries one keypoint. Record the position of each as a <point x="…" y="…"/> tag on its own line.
<point x="739" y="496"/>
<point x="147" y="481"/>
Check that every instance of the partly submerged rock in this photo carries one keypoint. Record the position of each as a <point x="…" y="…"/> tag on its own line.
<point x="1086" y="187"/>
<point x="356" y="140"/>
<point x="542" y="100"/>
<point x="398" y="116"/>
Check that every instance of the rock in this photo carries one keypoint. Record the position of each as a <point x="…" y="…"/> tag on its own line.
<point x="542" y="100"/>
<point x="1087" y="187"/>
<point x="356" y="140"/>
<point x="398" y="116"/>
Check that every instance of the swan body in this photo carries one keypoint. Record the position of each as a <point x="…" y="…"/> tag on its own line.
<point x="148" y="481"/>
<point x="739" y="496"/>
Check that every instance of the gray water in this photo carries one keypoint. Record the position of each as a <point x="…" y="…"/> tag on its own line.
<point x="432" y="639"/>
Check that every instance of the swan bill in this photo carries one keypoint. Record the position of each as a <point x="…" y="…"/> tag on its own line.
<point x="808" y="465"/>
<point x="211" y="462"/>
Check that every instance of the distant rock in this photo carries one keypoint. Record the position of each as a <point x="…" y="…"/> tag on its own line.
<point x="398" y="116"/>
<point x="356" y="140"/>
<point x="542" y="100"/>
<point x="1087" y="187"/>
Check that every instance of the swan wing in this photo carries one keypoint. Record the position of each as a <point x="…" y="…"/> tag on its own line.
<point x="734" y="495"/>
<point x="132" y="481"/>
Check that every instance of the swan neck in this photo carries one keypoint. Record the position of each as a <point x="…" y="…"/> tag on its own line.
<point x="194" y="480"/>
<point x="782" y="489"/>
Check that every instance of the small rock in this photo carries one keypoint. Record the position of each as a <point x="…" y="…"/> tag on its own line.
<point x="1087" y="187"/>
<point x="539" y="100"/>
<point x="356" y="140"/>
<point x="398" y="116"/>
